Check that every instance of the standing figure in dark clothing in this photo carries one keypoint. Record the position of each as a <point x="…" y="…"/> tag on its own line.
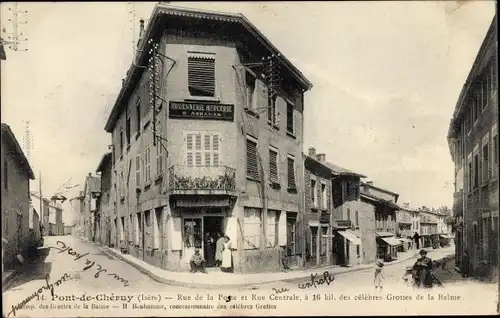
<point x="423" y="267"/>
<point x="209" y="243"/>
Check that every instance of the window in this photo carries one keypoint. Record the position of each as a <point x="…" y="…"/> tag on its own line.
<point x="485" y="165"/>
<point x="324" y="232"/>
<point x="147" y="218"/>
<point x="127" y="126"/>
<point x="273" y="165"/>
<point x="357" y="217"/>
<point x="121" y="142"/>
<point x="201" y="74"/>
<point x="250" y="90"/>
<point x="314" y="236"/>
<point x="484" y="89"/>
<point x="291" y="172"/>
<point x="290" y="125"/>
<point x="202" y="149"/>
<point x="5" y="174"/>
<point x="313" y="193"/>
<point x="147" y="165"/>
<point x="324" y="196"/>
<point x="476" y="171"/>
<point x="138" y="171"/>
<point x="252" y="168"/>
<point x="252" y="228"/>
<point x="138" y="115"/>
<point x="271" y="228"/>
<point x="193" y="235"/>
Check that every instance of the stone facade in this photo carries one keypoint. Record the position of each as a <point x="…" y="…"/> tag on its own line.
<point x="17" y="233"/>
<point x="165" y="205"/>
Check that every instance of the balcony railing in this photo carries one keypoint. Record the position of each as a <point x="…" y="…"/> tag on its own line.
<point x="202" y="180"/>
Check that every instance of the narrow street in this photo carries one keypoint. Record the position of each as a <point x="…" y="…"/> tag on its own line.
<point x="345" y="287"/>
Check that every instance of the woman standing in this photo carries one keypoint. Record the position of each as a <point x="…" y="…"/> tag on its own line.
<point x="219" y="246"/>
<point x="227" y="263"/>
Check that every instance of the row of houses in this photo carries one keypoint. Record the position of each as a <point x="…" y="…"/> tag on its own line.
<point x="52" y="211"/>
<point x="207" y="138"/>
<point x="473" y="142"/>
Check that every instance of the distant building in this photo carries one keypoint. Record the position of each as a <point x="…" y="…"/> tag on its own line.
<point x="429" y="227"/>
<point x="404" y="230"/>
<point x="91" y="192"/>
<point x="18" y="223"/>
<point x="103" y="202"/>
<point x="386" y="208"/>
<point x="77" y="209"/>
<point x="473" y="141"/>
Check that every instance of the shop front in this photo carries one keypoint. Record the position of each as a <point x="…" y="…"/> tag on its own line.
<point x="387" y="246"/>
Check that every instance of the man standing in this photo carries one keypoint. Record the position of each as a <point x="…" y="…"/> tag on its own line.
<point x="197" y="262"/>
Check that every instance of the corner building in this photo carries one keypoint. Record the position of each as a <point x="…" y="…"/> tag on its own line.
<point x="207" y="138"/>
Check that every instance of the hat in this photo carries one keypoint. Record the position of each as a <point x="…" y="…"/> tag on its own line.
<point x="423" y="252"/>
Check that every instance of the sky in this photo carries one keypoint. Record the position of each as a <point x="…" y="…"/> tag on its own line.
<point x="386" y="79"/>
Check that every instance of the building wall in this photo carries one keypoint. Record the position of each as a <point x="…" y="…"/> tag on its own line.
<point x="59" y="222"/>
<point x="105" y="206"/>
<point x="364" y="229"/>
<point x="232" y="140"/>
<point x="15" y="201"/>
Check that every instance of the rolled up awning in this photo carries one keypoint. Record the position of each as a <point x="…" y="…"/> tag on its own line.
<point x="351" y="236"/>
<point x="391" y="241"/>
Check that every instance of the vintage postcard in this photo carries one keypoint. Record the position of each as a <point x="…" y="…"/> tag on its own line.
<point x="165" y="159"/>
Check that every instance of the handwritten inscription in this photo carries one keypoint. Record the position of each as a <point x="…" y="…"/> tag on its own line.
<point x="63" y="248"/>
<point x="315" y="280"/>
<point x="280" y="290"/>
<point x="47" y="286"/>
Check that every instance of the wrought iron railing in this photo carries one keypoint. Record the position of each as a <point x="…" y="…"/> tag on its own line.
<point x="202" y="178"/>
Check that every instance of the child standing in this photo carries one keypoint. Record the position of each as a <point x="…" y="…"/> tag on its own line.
<point x="379" y="275"/>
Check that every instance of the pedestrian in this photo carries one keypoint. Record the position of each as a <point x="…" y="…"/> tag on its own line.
<point x="219" y="246"/>
<point x="379" y="275"/>
<point x="197" y="262"/>
<point x="423" y="268"/>
<point x="227" y="264"/>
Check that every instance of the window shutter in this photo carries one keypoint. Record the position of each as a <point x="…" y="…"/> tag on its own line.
<point x="252" y="170"/>
<point x="291" y="173"/>
<point x="207" y="148"/>
<point x="289" y="118"/>
<point x="273" y="165"/>
<point x="201" y="76"/>
<point x="215" y="149"/>
<point x="189" y="153"/>
<point x="138" y="171"/>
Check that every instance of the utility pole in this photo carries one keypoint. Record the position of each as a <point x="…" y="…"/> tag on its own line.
<point x="15" y="37"/>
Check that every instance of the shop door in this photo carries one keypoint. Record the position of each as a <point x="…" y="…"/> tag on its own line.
<point x="212" y="228"/>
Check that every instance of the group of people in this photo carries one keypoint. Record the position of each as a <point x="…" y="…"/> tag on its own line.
<point x="421" y="273"/>
<point x="218" y="254"/>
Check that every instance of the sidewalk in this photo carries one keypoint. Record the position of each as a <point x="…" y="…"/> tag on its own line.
<point x="207" y="281"/>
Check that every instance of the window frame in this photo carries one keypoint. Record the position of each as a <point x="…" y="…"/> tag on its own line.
<point x="250" y="102"/>
<point x="147" y="165"/>
<point x="291" y="105"/>
<point x="314" y="192"/>
<point x="255" y="225"/>
<point x="274" y="150"/>
<point x="290" y="186"/>
<point x="324" y="195"/>
<point x="271" y="224"/>
<point x="210" y="58"/>
<point x="248" y="173"/>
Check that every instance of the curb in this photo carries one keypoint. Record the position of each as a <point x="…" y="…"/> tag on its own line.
<point x="171" y="282"/>
<point x="214" y="287"/>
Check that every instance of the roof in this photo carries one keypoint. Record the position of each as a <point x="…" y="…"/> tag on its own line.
<point x="380" y="189"/>
<point x="336" y="170"/>
<point x="106" y="159"/>
<point x="489" y="41"/>
<point x="9" y="137"/>
<point x="161" y="11"/>
<point x="374" y="198"/>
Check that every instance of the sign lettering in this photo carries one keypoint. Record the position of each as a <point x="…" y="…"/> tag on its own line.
<point x="193" y="110"/>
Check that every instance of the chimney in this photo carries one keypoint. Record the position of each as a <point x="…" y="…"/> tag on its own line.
<point x="141" y="31"/>
<point x="312" y="152"/>
<point x="321" y="157"/>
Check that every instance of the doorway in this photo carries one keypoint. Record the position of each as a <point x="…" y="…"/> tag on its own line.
<point x="212" y="226"/>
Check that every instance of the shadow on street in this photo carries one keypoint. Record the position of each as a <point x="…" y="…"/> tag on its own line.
<point x="34" y="268"/>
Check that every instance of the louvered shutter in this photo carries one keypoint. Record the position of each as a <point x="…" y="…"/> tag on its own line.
<point x="291" y="173"/>
<point x="207" y="148"/>
<point x="201" y="76"/>
<point x="273" y="165"/>
<point x="252" y="170"/>
<point x="189" y="150"/>
<point x="138" y="171"/>
<point x="215" y="150"/>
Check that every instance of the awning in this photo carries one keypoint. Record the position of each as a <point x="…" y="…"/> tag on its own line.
<point x="405" y="239"/>
<point x="351" y="236"/>
<point x="391" y="241"/>
<point x="447" y="236"/>
<point x="384" y="234"/>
